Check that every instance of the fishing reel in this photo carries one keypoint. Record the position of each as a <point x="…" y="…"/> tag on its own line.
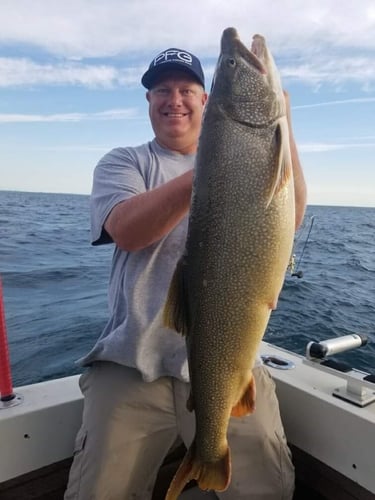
<point x="292" y="267"/>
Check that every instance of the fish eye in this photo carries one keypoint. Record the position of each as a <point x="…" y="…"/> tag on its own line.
<point x="231" y="62"/>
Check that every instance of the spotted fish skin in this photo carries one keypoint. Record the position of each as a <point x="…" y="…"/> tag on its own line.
<point x="239" y="242"/>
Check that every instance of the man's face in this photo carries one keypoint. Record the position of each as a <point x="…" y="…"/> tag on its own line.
<point x="176" y="105"/>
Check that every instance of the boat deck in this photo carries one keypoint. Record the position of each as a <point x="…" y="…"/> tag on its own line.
<point x="315" y="481"/>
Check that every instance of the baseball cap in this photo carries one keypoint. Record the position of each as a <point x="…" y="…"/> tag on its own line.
<point x="173" y="59"/>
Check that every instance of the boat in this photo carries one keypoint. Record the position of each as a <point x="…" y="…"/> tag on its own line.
<point x="327" y="407"/>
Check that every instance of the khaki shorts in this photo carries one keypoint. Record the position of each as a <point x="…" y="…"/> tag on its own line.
<point x="130" y="425"/>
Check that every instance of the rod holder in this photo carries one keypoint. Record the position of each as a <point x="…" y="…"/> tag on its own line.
<point x="359" y="387"/>
<point x="320" y="350"/>
<point x="6" y="387"/>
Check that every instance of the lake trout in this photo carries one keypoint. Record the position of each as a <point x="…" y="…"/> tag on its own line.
<point x="239" y="242"/>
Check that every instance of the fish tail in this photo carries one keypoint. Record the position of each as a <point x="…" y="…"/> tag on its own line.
<point x="209" y="476"/>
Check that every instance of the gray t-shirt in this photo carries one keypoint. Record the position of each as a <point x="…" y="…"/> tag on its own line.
<point x="139" y="281"/>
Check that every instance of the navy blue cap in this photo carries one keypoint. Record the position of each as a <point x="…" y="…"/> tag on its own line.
<point x="173" y="59"/>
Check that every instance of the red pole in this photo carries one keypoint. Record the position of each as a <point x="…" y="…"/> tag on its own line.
<point x="6" y="388"/>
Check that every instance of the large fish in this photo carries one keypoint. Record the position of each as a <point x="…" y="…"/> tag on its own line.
<point x="239" y="243"/>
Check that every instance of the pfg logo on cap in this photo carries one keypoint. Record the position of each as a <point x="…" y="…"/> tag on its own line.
<point x="173" y="55"/>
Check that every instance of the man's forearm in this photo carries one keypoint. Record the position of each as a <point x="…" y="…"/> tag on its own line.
<point x="146" y="218"/>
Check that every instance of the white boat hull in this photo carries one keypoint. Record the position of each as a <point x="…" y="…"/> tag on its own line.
<point x="41" y="430"/>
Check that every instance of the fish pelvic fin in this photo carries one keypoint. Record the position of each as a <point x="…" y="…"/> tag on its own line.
<point x="190" y="402"/>
<point x="209" y="475"/>
<point x="246" y="404"/>
<point x="283" y="169"/>
<point x="175" y="314"/>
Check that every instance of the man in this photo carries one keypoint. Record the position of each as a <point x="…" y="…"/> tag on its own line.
<point x="137" y="384"/>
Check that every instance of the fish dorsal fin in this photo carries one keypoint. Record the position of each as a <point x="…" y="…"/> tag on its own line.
<point x="175" y="314"/>
<point x="283" y="167"/>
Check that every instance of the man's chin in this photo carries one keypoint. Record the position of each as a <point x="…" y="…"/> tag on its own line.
<point x="176" y="132"/>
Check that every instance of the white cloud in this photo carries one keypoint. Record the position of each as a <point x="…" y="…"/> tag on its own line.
<point x="112" y="114"/>
<point x="327" y="40"/>
<point x="25" y="72"/>
<point x="358" y="100"/>
<point x="16" y="72"/>
<point x="332" y="69"/>
<point x="325" y="147"/>
<point x="91" y="28"/>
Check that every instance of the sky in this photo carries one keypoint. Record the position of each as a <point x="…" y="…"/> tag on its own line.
<point x="70" y="83"/>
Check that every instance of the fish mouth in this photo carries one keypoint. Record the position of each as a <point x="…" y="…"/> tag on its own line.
<point x="230" y="39"/>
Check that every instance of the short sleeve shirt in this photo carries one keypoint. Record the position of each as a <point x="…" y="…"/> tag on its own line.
<point x="134" y="335"/>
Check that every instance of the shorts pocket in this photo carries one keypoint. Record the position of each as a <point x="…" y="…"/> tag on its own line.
<point x="80" y="441"/>
<point x="73" y="491"/>
<point x="287" y="474"/>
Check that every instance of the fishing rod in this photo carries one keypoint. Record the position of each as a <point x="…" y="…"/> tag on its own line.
<point x="294" y="269"/>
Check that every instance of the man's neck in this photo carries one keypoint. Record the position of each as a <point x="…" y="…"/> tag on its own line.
<point x="179" y="147"/>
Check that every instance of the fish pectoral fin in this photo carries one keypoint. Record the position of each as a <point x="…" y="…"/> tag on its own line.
<point x="209" y="475"/>
<point x="283" y="170"/>
<point x="273" y="304"/>
<point x="175" y="314"/>
<point x="246" y="404"/>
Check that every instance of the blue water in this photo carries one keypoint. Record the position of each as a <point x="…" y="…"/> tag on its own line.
<point x="55" y="283"/>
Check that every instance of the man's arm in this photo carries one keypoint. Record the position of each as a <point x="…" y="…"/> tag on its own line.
<point x="300" y="191"/>
<point x="145" y="218"/>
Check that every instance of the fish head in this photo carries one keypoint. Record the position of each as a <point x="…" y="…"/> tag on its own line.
<point x="246" y="84"/>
